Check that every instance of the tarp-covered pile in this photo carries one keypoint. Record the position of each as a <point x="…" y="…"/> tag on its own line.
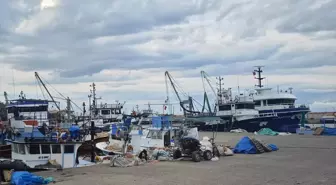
<point x="267" y="132"/>
<point x="26" y="178"/>
<point x="249" y="145"/>
<point x="325" y="131"/>
<point x="329" y="131"/>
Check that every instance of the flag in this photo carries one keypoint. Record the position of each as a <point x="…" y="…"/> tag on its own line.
<point x="164" y="107"/>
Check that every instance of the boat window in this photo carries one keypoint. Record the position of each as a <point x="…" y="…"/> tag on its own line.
<point x="245" y="106"/>
<point x="69" y="149"/>
<point x="281" y="101"/>
<point x="56" y="149"/>
<point x="154" y="134"/>
<point x="21" y="149"/>
<point x="264" y="102"/>
<point x="257" y="103"/>
<point x="149" y="135"/>
<point x="34" y="149"/>
<point x="45" y="149"/>
<point x="105" y="112"/>
<point x="158" y="135"/>
<point x="15" y="148"/>
<point x="328" y="121"/>
<point x="224" y="107"/>
<point x="28" y="109"/>
<point x="117" y="111"/>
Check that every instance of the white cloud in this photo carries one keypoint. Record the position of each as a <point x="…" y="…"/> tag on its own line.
<point x="125" y="47"/>
<point x="324" y="106"/>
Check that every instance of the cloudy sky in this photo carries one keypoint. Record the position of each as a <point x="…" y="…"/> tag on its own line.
<point x="126" y="46"/>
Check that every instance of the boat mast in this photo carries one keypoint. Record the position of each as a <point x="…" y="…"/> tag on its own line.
<point x="259" y="78"/>
<point x="220" y="83"/>
<point x="94" y="100"/>
<point x="68" y="109"/>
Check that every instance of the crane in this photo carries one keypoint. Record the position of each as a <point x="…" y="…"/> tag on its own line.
<point x="44" y="86"/>
<point x="205" y="77"/>
<point x="189" y="101"/>
<point x="69" y="102"/>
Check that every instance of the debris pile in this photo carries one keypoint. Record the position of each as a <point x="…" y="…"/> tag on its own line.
<point x="114" y="147"/>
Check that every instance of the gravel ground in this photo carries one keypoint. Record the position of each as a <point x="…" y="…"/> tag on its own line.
<point x="304" y="160"/>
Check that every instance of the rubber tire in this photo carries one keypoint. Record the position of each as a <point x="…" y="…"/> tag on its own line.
<point x="216" y="151"/>
<point x="207" y="155"/>
<point x="177" y="154"/>
<point x="196" y="156"/>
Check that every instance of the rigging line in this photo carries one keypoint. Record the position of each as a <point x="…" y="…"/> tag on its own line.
<point x="76" y="105"/>
<point x="41" y="89"/>
<point x="36" y="89"/>
<point x="59" y="98"/>
<point x="179" y="87"/>
<point x="52" y="87"/>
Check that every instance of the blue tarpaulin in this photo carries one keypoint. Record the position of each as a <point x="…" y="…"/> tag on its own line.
<point x="26" y="178"/>
<point x="274" y="147"/>
<point x="329" y="131"/>
<point x="74" y="131"/>
<point x="157" y="121"/>
<point x="245" y="146"/>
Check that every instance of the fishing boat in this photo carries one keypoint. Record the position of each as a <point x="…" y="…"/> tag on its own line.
<point x="34" y="142"/>
<point x="102" y="114"/>
<point x="280" y="102"/>
<point x="239" y="112"/>
<point x="143" y="117"/>
<point x="160" y="134"/>
<point x="234" y="111"/>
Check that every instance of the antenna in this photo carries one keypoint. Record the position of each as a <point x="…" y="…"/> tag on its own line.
<point x="259" y="78"/>
<point x="220" y="83"/>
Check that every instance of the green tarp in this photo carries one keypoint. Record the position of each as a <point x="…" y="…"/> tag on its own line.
<point x="267" y="132"/>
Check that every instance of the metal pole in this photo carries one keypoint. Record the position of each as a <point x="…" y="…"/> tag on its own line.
<point x="92" y="141"/>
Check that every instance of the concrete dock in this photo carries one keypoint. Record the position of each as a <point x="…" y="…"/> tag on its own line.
<point x="307" y="160"/>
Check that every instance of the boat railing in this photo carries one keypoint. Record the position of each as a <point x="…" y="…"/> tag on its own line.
<point x="290" y="105"/>
<point x="48" y="138"/>
<point x="272" y="114"/>
<point x="109" y="106"/>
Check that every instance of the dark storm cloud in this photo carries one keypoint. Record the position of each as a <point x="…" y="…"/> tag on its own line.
<point x="68" y="43"/>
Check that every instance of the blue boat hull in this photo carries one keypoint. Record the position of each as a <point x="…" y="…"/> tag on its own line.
<point x="287" y="120"/>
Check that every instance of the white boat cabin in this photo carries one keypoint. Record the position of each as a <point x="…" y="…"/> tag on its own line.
<point x="266" y="99"/>
<point x="109" y="112"/>
<point x="158" y="138"/>
<point x="241" y="108"/>
<point x="34" y="154"/>
<point x="27" y="113"/>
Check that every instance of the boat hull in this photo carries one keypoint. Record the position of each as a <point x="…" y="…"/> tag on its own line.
<point x="6" y="151"/>
<point x="287" y="120"/>
<point x="284" y="121"/>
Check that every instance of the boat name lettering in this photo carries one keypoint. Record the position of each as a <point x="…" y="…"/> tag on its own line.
<point x="43" y="157"/>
